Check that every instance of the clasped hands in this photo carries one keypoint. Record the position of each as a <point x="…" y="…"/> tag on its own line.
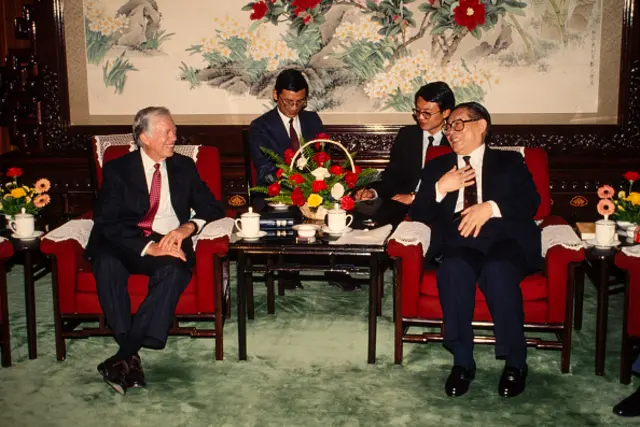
<point x="474" y="217"/>
<point x="171" y="243"/>
<point x="367" y="194"/>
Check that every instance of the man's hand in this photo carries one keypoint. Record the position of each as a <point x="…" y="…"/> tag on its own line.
<point x="155" y="250"/>
<point x="406" y="199"/>
<point x="473" y="218"/>
<point x="365" y="194"/>
<point x="174" y="238"/>
<point x="456" y="179"/>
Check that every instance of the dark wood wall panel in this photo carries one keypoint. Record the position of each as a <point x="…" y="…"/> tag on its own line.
<point x="581" y="157"/>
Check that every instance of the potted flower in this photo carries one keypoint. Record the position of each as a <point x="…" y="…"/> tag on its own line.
<point x="624" y="207"/>
<point x="314" y="181"/>
<point x="18" y="198"/>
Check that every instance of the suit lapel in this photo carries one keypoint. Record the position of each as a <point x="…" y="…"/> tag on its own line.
<point x="279" y="131"/>
<point x="173" y="176"/>
<point x="450" y="200"/>
<point x="489" y="167"/>
<point x="138" y="179"/>
<point x="416" y="151"/>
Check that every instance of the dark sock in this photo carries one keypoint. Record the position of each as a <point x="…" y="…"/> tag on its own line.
<point x="128" y="348"/>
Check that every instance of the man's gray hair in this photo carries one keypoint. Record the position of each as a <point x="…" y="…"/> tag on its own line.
<point x="142" y="121"/>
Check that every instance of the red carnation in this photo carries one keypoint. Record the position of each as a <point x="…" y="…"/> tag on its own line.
<point x="322" y="135"/>
<point x="351" y="179"/>
<point x="318" y="186"/>
<point x="347" y="203"/>
<point x="469" y="13"/>
<point x="358" y="169"/>
<point x="297" y="178"/>
<point x="279" y="173"/>
<point x="629" y="176"/>
<point x="336" y="170"/>
<point x="321" y="157"/>
<point x="14" y="172"/>
<point x="259" y="11"/>
<point x="273" y="189"/>
<point x="297" y="197"/>
<point x="288" y="155"/>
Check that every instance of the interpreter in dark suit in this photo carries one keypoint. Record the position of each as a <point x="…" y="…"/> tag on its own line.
<point x="396" y="190"/>
<point x="480" y="204"/>
<point x="142" y="225"/>
<point x="284" y="126"/>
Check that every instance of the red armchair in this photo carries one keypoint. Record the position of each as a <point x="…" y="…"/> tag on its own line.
<point x="548" y="295"/>
<point x="6" y="252"/>
<point x="631" y="320"/>
<point x="74" y="287"/>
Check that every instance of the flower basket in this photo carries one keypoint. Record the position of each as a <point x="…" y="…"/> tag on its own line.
<point x="310" y="179"/>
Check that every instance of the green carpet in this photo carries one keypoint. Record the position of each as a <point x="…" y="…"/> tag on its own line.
<point x="307" y="367"/>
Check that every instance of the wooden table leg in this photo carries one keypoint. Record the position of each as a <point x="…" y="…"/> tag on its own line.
<point x="30" y="301"/>
<point x="579" y="296"/>
<point x="271" y="298"/>
<point x="373" y="307"/>
<point x="601" y="318"/>
<point x="248" y="278"/>
<point x="241" y="307"/>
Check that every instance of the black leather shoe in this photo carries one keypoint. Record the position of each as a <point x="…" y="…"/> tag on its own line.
<point x="292" y="284"/>
<point x="114" y="372"/>
<point x="458" y="381"/>
<point x="630" y="406"/>
<point x="512" y="381"/>
<point x="135" y="378"/>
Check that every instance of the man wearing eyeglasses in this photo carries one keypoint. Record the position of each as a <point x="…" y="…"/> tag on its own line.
<point x="401" y="178"/>
<point x="480" y="204"/>
<point x="284" y="126"/>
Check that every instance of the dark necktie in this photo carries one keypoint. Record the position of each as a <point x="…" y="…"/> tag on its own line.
<point x="154" y="201"/>
<point x="430" y="144"/>
<point x="471" y="192"/>
<point x="295" y="142"/>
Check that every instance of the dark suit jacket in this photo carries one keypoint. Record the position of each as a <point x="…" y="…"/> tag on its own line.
<point x="506" y="180"/>
<point x="268" y="131"/>
<point x="405" y="164"/>
<point x="123" y="201"/>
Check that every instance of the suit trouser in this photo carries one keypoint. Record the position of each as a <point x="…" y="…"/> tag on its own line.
<point x="498" y="270"/>
<point x="168" y="278"/>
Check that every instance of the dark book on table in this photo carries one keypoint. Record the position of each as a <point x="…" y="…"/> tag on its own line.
<point x="276" y="222"/>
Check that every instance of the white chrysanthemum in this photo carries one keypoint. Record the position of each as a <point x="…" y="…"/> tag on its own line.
<point x="320" y="173"/>
<point x="337" y="191"/>
<point x="301" y="162"/>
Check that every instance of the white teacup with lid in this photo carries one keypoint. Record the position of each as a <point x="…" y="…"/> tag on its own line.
<point x="22" y="224"/>
<point x="249" y="223"/>
<point x="338" y="219"/>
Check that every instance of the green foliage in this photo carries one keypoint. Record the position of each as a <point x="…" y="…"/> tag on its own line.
<point x="306" y="44"/>
<point x="391" y="15"/>
<point x="116" y="75"/>
<point x="155" y="41"/>
<point x="190" y="74"/>
<point x="97" y="45"/>
<point x="365" y="59"/>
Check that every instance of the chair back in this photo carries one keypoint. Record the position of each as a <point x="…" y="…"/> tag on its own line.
<point x="99" y="145"/>
<point x="538" y="164"/>
<point x="207" y="160"/>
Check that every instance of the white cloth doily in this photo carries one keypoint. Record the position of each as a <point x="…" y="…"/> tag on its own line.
<point x="376" y="236"/>
<point x="633" y="251"/>
<point x="76" y="229"/>
<point x="411" y="233"/>
<point x="563" y="235"/>
<point x="105" y="141"/>
<point x="215" y="229"/>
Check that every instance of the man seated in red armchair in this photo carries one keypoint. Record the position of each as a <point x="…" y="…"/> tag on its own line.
<point x="480" y="204"/>
<point x="142" y="225"/>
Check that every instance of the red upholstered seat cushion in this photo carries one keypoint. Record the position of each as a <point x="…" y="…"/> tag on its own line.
<point x="534" y="287"/>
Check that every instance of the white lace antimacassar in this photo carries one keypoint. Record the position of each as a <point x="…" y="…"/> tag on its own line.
<point x="185" y="150"/>
<point x="633" y="251"/>
<point x="105" y="141"/>
<point x="411" y="233"/>
<point x="519" y="149"/>
<point x="563" y="235"/>
<point x="76" y="229"/>
<point x="80" y="230"/>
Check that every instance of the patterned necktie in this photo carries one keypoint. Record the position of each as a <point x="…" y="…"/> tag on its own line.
<point x="471" y="192"/>
<point x="430" y="139"/>
<point x="154" y="201"/>
<point x="295" y="142"/>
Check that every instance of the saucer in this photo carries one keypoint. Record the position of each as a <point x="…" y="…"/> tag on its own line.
<point x="592" y="242"/>
<point x="297" y="226"/>
<point x="326" y="229"/>
<point x="252" y="238"/>
<point x="35" y="235"/>
<point x="278" y="206"/>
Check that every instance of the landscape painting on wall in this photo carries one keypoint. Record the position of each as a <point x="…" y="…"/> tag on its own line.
<point x="537" y="61"/>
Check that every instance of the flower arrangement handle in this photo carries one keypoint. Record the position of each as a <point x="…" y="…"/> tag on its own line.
<point x="306" y="144"/>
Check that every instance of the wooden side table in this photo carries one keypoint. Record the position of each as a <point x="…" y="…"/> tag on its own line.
<point x="35" y="267"/>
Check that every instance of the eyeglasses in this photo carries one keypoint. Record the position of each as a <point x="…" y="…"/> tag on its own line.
<point x="424" y="114"/>
<point x="291" y="103"/>
<point x="457" y="125"/>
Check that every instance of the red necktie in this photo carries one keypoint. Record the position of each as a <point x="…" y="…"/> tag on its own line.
<point x="154" y="201"/>
<point x="295" y="142"/>
<point x="470" y="196"/>
<point x="430" y="138"/>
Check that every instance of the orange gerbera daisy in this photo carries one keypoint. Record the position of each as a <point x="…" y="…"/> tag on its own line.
<point x="606" y="207"/>
<point x="41" y="201"/>
<point x="42" y="185"/>
<point x="606" y="192"/>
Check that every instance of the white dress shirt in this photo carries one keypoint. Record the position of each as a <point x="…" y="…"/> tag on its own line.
<point x="166" y="218"/>
<point x="437" y="138"/>
<point x="296" y="124"/>
<point x="476" y="161"/>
